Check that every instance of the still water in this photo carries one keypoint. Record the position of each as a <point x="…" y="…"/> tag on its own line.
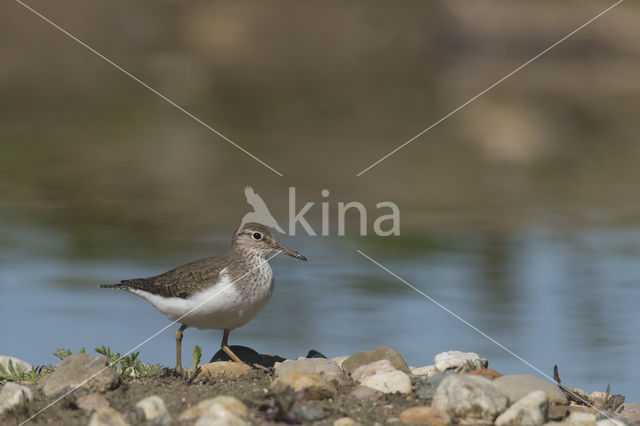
<point x="553" y="297"/>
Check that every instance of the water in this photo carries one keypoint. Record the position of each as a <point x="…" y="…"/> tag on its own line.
<point x="566" y="298"/>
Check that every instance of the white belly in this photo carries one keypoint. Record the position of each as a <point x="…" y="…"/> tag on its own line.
<point x="219" y="307"/>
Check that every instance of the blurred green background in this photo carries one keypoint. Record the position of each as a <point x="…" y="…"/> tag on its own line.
<point x="526" y="199"/>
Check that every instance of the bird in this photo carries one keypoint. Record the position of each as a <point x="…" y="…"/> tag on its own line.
<point x="260" y="213"/>
<point x="222" y="292"/>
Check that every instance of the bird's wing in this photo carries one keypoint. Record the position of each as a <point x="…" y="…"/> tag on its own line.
<point x="181" y="282"/>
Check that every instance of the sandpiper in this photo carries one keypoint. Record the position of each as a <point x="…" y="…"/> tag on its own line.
<point x="221" y="292"/>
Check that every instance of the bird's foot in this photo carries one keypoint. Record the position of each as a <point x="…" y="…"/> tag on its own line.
<point x="233" y="356"/>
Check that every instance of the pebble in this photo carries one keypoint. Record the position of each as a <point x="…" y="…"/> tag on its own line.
<point x="367" y="357"/>
<point x="229" y="369"/>
<point x="581" y="419"/>
<point x="330" y="370"/>
<point x="631" y="412"/>
<point x="91" y="402"/>
<point x="609" y="422"/>
<point x="4" y="361"/>
<point x="529" y="410"/>
<point x="458" y="361"/>
<point x="427" y="370"/>
<point x="487" y="373"/>
<point x="368" y="370"/>
<point x="345" y="421"/>
<point x="365" y="393"/>
<point x="391" y="382"/>
<point x="107" y="417"/>
<point x="153" y="410"/>
<point x="315" y="384"/>
<point x="557" y="412"/>
<point x="216" y="419"/>
<point x="426" y="386"/>
<point x="309" y="414"/>
<point x="228" y="403"/>
<point x="516" y="386"/>
<point x="470" y="398"/>
<point x="75" y="369"/>
<point x="13" y="394"/>
<point x="425" y="416"/>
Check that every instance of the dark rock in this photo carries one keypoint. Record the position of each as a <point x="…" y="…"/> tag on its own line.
<point x="367" y="357"/>
<point x="315" y="354"/>
<point x="557" y="412"/>
<point x="248" y="356"/>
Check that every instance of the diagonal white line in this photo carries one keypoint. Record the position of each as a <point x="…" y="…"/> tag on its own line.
<point x="143" y="342"/>
<point x="473" y="327"/>
<point x="146" y="86"/>
<point x="490" y="87"/>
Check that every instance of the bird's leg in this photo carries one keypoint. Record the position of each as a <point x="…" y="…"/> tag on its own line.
<point x="179" y="348"/>
<point x="226" y="349"/>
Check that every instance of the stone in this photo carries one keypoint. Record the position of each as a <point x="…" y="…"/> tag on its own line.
<point x="427" y="370"/>
<point x="222" y="369"/>
<point x="367" y="357"/>
<point x="215" y="418"/>
<point x="91" y="402"/>
<point x="365" y="393"/>
<point x="487" y="373"/>
<point x="557" y="412"/>
<point x="425" y="416"/>
<point x="339" y="360"/>
<point x="153" y="409"/>
<point x="470" y="398"/>
<point x="13" y="394"/>
<point x="107" y="417"/>
<point x="92" y="373"/>
<point x="345" y="421"/>
<point x="426" y="386"/>
<point x="516" y="386"/>
<point x="581" y="419"/>
<point x="631" y="412"/>
<point x="368" y="370"/>
<point x="315" y="384"/>
<point x="325" y="367"/>
<point x="24" y="365"/>
<point x="228" y="403"/>
<point x="309" y="414"/>
<point x="391" y="382"/>
<point x="530" y="410"/>
<point x="457" y="361"/>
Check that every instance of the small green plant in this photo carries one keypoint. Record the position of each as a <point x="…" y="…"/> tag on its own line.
<point x="196" y="355"/>
<point x="15" y="373"/>
<point x="129" y="365"/>
<point x="62" y="353"/>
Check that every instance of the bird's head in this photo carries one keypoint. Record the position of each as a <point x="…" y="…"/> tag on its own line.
<point x="256" y="237"/>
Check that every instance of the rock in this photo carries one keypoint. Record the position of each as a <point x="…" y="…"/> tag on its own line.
<point x="365" y="393"/>
<point x="557" y="412"/>
<point x="315" y="384"/>
<point x="392" y="420"/>
<point x="427" y="370"/>
<point x="517" y="386"/>
<point x="425" y="416"/>
<point x="530" y="410"/>
<point x="315" y="354"/>
<point x="228" y="403"/>
<point x="93" y="373"/>
<point x="458" y="361"/>
<point x="91" y="402"/>
<point x="367" y="357"/>
<point x="487" y="373"/>
<point x="228" y="369"/>
<point x="581" y="419"/>
<point x="610" y="422"/>
<point x="345" y="421"/>
<point x="309" y="414"/>
<point x="13" y="394"/>
<point x="106" y="417"/>
<point x="394" y="381"/>
<point x="24" y="365"/>
<point x="339" y="360"/>
<point x="631" y="412"/>
<point x="470" y="398"/>
<point x="215" y="419"/>
<point x="426" y="386"/>
<point x="368" y="370"/>
<point x="327" y="368"/>
<point x="153" y="410"/>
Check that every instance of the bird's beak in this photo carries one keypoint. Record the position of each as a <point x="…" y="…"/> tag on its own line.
<point x="291" y="253"/>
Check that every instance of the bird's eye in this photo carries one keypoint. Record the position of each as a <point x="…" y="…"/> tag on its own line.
<point x="257" y="236"/>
